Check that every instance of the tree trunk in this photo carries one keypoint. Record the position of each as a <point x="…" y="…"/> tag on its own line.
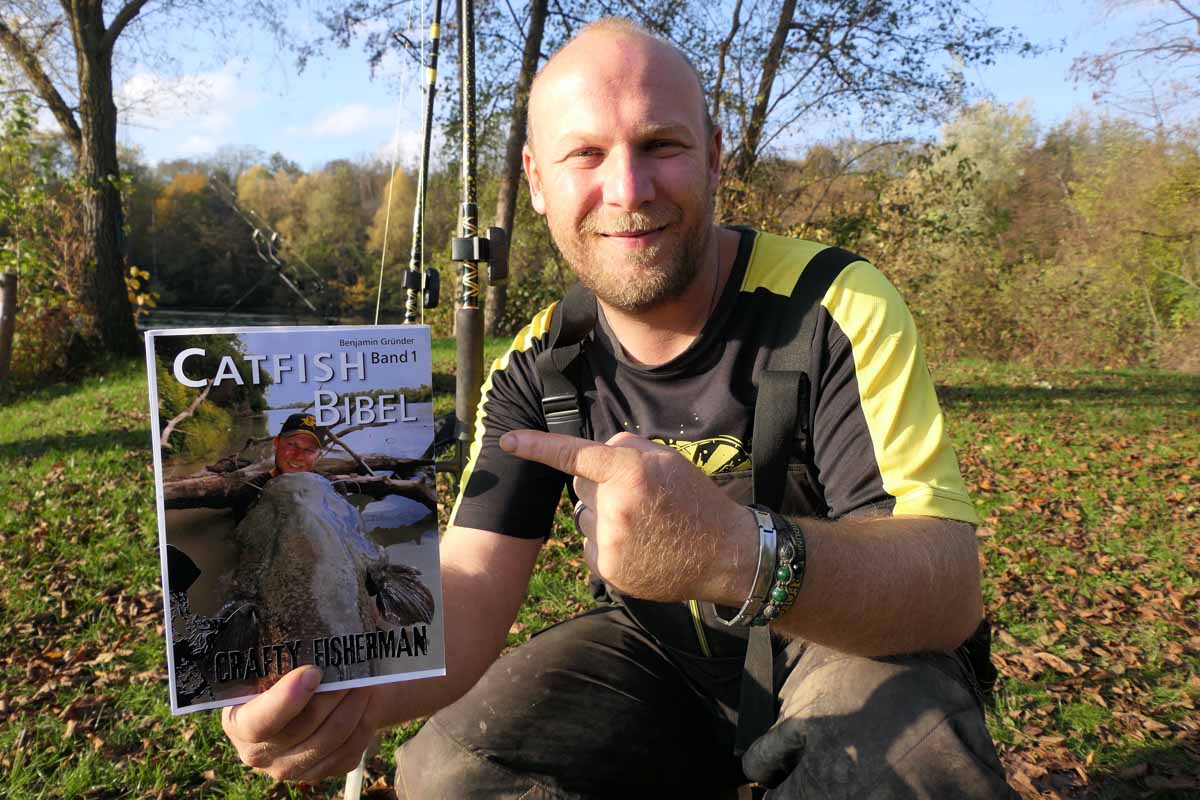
<point x="8" y="319"/>
<point x="719" y="88"/>
<point x="747" y="153"/>
<point x="510" y="177"/>
<point x="722" y="56"/>
<point x="102" y="283"/>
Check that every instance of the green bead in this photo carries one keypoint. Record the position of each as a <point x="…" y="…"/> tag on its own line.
<point x="784" y="573"/>
<point x="779" y="594"/>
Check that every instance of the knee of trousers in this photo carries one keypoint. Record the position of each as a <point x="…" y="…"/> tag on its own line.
<point x="878" y="728"/>
<point x="434" y="766"/>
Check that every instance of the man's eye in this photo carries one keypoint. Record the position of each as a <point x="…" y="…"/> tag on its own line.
<point x="585" y="152"/>
<point x="661" y="146"/>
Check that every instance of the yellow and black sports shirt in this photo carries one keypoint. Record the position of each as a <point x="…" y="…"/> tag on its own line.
<point x="878" y="443"/>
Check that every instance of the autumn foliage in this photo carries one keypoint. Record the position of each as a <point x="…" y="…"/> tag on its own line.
<point x="1077" y="245"/>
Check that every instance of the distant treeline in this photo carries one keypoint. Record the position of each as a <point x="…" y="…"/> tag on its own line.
<point x="1079" y="244"/>
<point x="1076" y="244"/>
<point x="201" y="252"/>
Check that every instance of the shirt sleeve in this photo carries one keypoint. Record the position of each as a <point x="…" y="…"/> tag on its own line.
<point x="500" y="492"/>
<point x="879" y="439"/>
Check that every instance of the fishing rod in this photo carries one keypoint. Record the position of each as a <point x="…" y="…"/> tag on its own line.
<point x="266" y="244"/>
<point x="417" y="291"/>
<point x="251" y="218"/>
<point x="470" y="250"/>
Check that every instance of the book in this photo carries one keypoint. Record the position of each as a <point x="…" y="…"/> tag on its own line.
<point x="297" y="512"/>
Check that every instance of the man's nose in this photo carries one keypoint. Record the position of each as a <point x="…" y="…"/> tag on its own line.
<point x="627" y="180"/>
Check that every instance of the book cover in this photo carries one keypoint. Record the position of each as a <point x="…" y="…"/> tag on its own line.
<point x="297" y="512"/>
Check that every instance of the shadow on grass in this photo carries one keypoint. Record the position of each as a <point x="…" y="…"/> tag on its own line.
<point x="60" y="383"/>
<point x="67" y="443"/>
<point x="1153" y="770"/>
<point x="1173" y="390"/>
<point x="20" y="392"/>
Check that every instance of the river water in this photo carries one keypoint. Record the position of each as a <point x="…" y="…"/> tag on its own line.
<point x="164" y="318"/>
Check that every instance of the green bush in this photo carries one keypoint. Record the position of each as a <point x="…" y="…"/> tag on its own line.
<point x="36" y="215"/>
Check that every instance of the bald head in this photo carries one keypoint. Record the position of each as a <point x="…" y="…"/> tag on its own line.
<point x="604" y="45"/>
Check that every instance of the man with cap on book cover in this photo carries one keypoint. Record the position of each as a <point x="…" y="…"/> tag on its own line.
<point x="297" y="447"/>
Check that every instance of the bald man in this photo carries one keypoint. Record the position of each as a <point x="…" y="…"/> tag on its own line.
<point x="872" y="568"/>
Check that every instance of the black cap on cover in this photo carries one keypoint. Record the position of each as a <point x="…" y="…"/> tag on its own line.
<point x="303" y="422"/>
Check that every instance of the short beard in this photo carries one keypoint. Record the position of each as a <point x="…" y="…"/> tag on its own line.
<point x="656" y="281"/>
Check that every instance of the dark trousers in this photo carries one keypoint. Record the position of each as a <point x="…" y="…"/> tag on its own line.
<point x="595" y="708"/>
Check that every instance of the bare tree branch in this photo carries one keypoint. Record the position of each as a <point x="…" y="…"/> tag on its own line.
<point x="186" y="413"/>
<point x="1177" y="276"/>
<point x="843" y="168"/>
<point x="1160" y="42"/>
<point x="17" y="49"/>
<point x="119" y="22"/>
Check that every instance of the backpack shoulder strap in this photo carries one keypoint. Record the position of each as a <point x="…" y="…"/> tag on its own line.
<point x="570" y="323"/>
<point x="780" y="409"/>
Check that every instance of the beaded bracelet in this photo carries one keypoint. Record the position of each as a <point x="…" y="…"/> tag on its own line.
<point x="790" y="561"/>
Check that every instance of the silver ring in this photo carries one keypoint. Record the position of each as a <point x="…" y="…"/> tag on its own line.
<point x="579" y="508"/>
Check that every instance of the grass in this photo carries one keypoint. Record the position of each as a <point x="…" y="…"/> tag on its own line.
<point x="1089" y="485"/>
<point x="1088" y="482"/>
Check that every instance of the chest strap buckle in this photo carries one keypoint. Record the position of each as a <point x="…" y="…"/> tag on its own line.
<point x="562" y="414"/>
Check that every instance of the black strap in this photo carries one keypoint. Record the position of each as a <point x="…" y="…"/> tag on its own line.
<point x="570" y="323"/>
<point x="782" y="407"/>
<point x="775" y="414"/>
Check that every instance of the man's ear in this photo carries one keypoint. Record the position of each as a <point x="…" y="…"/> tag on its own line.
<point x="715" y="145"/>
<point x="534" y="178"/>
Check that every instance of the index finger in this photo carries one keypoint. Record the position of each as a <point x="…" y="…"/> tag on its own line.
<point x="569" y="454"/>
<point x="269" y="713"/>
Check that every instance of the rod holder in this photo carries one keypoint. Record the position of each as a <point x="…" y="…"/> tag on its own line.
<point x="498" y="262"/>
<point x="469" y="248"/>
<point x="431" y="293"/>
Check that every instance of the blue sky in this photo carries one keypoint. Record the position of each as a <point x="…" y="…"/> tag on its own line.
<point x="335" y="109"/>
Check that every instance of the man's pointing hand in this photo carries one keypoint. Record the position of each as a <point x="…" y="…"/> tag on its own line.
<point x="656" y="526"/>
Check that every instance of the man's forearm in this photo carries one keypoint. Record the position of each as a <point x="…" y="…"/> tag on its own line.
<point x="881" y="586"/>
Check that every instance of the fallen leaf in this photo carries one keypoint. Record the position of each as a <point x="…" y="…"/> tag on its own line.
<point x="1054" y="662"/>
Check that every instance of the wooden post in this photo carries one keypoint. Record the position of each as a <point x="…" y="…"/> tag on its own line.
<point x="8" y="319"/>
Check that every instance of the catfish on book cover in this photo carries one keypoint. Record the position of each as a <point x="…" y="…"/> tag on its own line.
<point x="297" y="507"/>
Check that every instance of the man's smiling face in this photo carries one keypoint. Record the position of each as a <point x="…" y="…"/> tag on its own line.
<point x="623" y="164"/>
<point x="296" y="452"/>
